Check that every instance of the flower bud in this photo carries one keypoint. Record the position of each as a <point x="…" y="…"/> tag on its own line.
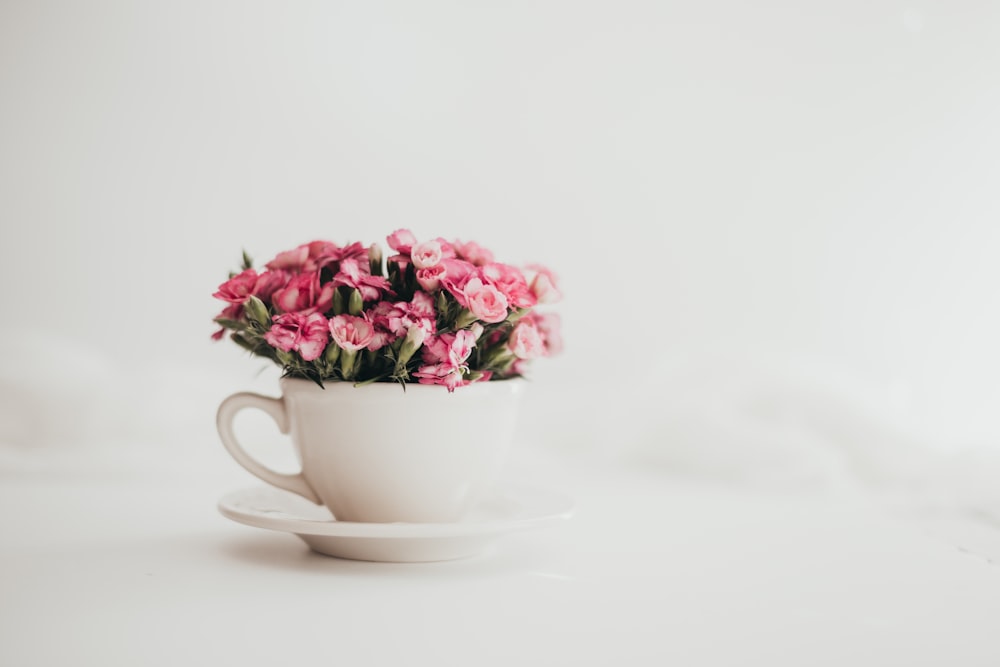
<point x="355" y="304"/>
<point x="338" y="302"/>
<point x="332" y="353"/>
<point x="442" y="303"/>
<point x="347" y="365"/>
<point x="415" y="337"/>
<point x="375" y="259"/>
<point x="256" y="311"/>
<point x="477" y="330"/>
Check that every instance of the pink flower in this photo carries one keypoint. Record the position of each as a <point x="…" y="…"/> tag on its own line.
<point x="290" y="260"/>
<point x="351" y="333"/>
<point x="233" y="311"/>
<point x="543" y="284"/>
<point x="238" y="288"/>
<point x="313" y="256"/>
<point x="449" y="348"/>
<point x="444" y="358"/>
<point x="485" y="301"/>
<point x="525" y="341"/>
<point x="510" y="281"/>
<point x="401" y="240"/>
<point x="380" y="339"/>
<point x="457" y="273"/>
<point x="442" y="374"/>
<point x="421" y="305"/>
<point x="549" y="328"/>
<point x="357" y="276"/>
<point x="305" y="333"/>
<point x="426" y="254"/>
<point x="303" y="293"/>
<point x="430" y="278"/>
<point x="447" y="249"/>
<point x="398" y="318"/>
<point x="473" y="252"/>
<point x="268" y="283"/>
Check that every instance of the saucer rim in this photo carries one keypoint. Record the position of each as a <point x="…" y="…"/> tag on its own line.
<point x="555" y="506"/>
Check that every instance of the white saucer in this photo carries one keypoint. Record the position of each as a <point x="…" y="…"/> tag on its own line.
<point x="507" y="509"/>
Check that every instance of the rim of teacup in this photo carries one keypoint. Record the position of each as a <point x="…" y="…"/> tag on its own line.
<point x="303" y="385"/>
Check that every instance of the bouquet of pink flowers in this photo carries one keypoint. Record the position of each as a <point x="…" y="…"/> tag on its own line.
<point x="444" y="312"/>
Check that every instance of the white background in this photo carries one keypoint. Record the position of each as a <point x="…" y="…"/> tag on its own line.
<point x="771" y="219"/>
<point x="777" y="225"/>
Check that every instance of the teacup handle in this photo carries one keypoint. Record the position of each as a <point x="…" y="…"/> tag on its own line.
<point x="275" y="407"/>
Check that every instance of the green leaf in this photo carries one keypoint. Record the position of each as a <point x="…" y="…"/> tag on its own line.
<point x="517" y="314"/>
<point x="236" y="325"/>
<point x="247" y="261"/>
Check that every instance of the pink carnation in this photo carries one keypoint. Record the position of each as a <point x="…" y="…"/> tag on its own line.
<point x="525" y="341"/>
<point x="511" y="282"/>
<point x="421" y="305"/>
<point x="543" y="284"/>
<point x="268" y="283"/>
<point x="473" y="252"/>
<point x="313" y="256"/>
<point x="550" y="329"/>
<point x="447" y="249"/>
<point x="402" y="241"/>
<point x="304" y="333"/>
<point x="449" y="348"/>
<point x="485" y="301"/>
<point x="351" y="333"/>
<point x="238" y="288"/>
<point x="430" y="278"/>
<point x="290" y="260"/>
<point x="442" y="374"/>
<point x="357" y="276"/>
<point x="426" y="254"/>
<point x="397" y="318"/>
<point x="303" y="293"/>
<point x="233" y="311"/>
<point x="457" y="273"/>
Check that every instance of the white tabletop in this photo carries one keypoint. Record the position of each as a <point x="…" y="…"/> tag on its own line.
<point x="136" y="567"/>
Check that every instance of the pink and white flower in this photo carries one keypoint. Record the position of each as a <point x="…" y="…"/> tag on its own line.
<point x="511" y="282"/>
<point x="402" y="241"/>
<point x="550" y="329"/>
<point x="543" y="283"/>
<point x="303" y="293"/>
<point x="457" y="273"/>
<point x="475" y="293"/>
<point x="305" y="333"/>
<point x="238" y="288"/>
<point x="474" y="253"/>
<point x="449" y="348"/>
<point x="525" y="341"/>
<point x="351" y="333"/>
<point x="429" y="278"/>
<point x="426" y="254"/>
<point x="485" y="301"/>
<point x="441" y="374"/>
<point x="355" y="275"/>
<point x="268" y="283"/>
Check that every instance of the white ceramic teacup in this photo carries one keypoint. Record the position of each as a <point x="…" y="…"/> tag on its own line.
<point x="377" y="453"/>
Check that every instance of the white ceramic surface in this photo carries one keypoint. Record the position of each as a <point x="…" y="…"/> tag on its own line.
<point x="507" y="508"/>
<point x="378" y="453"/>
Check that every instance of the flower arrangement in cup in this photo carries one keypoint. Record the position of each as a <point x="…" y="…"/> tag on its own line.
<point x="442" y="313"/>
